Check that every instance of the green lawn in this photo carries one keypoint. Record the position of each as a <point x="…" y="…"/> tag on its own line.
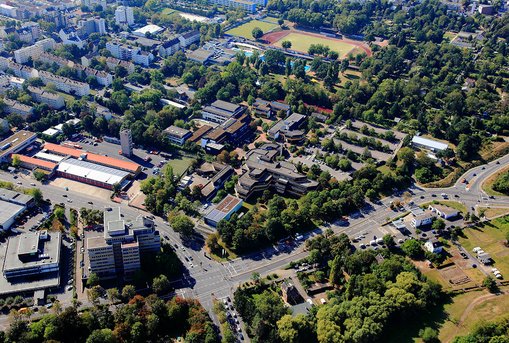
<point x="491" y="238"/>
<point x="301" y="42"/>
<point x="180" y="165"/>
<point x="449" y="203"/>
<point x="245" y="30"/>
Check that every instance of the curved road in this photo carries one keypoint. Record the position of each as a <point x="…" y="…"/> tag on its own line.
<point x="206" y="279"/>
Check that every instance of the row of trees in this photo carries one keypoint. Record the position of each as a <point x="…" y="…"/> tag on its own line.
<point x="142" y="319"/>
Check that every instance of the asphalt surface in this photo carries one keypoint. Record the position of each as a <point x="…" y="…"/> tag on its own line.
<point x="206" y="279"/>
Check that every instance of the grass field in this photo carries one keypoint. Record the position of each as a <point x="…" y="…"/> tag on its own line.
<point x="301" y="42"/>
<point x="487" y="185"/>
<point x="449" y="203"/>
<point x="180" y="165"/>
<point x="490" y="237"/>
<point x="245" y="30"/>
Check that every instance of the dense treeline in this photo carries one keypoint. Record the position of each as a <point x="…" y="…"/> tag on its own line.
<point x="147" y="319"/>
<point x="371" y="295"/>
<point x="492" y="332"/>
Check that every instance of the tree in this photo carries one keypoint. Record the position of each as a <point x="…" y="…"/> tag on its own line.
<point x="257" y="33"/>
<point x="128" y="292"/>
<point x="438" y="225"/>
<point x="37" y="194"/>
<point x="93" y="280"/>
<point x="429" y="335"/>
<point x="113" y="295"/>
<point x="16" y="162"/>
<point x="102" y="336"/>
<point x="182" y="224"/>
<point x="412" y="248"/>
<point x="160" y="284"/>
<point x="286" y="44"/>
<point x="490" y="284"/>
<point x="388" y="241"/>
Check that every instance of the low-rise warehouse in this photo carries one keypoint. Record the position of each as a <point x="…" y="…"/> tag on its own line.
<point x="91" y="173"/>
<point x="130" y="167"/>
<point x="34" y="163"/>
<point x="223" y="210"/>
<point x="30" y="262"/>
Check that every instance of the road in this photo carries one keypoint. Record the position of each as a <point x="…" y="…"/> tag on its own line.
<point x="206" y="279"/>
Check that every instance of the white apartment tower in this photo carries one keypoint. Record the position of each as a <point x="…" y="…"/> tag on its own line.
<point x="124" y="15"/>
<point x="126" y="142"/>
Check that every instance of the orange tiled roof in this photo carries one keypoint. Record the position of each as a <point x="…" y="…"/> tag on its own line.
<point x="36" y="161"/>
<point x="94" y="158"/>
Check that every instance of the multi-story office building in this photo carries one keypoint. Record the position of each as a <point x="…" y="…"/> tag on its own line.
<point x="124" y="15"/>
<point x="119" y="251"/>
<point x="177" y="135"/>
<point x="263" y="171"/>
<point x="220" y="111"/>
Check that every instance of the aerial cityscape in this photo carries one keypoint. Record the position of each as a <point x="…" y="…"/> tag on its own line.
<point x="254" y="170"/>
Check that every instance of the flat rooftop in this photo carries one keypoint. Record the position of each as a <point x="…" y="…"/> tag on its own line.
<point x="11" y="143"/>
<point x="44" y="251"/>
<point x="96" y="242"/>
<point x="131" y="167"/>
<point x="429" y="143"/>
<point x="92" y="171"/>
<point x="14" y="197"/>
<point x="223" y="209"/>
<point x="8" y="210"/>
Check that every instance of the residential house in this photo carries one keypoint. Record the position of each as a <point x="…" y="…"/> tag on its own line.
<point x="434" y="246"/>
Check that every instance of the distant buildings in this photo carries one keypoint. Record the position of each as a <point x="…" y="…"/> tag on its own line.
<point x="124" y="16"/>
<point x="126" y="142"/>
<point x="65" y="84"/>
<point x="119" y="252"/>
<point x="224" y="210"/>
<point x="129" y="53"/>
<point x="264" y="171"/>
<point x="31" y="52"/>
<point x="248" y="6"/>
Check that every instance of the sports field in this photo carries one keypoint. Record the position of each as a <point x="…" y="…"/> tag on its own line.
<point x="245" y="30"/>
<point x="301" y="42"/>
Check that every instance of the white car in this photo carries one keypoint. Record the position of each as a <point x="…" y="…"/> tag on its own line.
<point x="205" y="206"/>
